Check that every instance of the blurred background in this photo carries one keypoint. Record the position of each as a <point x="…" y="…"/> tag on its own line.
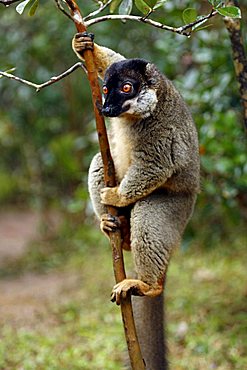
<point x="50" y="248"/>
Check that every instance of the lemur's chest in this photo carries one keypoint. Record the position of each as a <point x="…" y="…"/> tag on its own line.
<point x="121" y="144"/>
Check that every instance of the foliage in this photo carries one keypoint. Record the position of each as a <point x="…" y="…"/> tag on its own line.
<point x="47" y="140"/>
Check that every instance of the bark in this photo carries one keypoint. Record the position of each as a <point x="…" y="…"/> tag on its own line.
<point x="233" y="26"/>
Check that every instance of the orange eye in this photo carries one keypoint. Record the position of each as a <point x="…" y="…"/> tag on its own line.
<point x="105" y="90"/>
<point x="126" y="88"/>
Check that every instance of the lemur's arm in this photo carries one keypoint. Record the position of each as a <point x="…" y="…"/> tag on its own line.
<point x="144" y="176"/>
<point x="103" y="57"/>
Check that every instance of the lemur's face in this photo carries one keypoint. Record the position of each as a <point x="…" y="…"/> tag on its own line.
<point x="127" y="90"/>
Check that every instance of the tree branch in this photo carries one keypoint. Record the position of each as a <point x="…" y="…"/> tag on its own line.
<point x="9" y="2"/>
<point x="185" y="30"/>
<point x="60" y="7"/>
<point x="97" y="11"/>
<point x="233" y="26"/>
<point x="51" y="81"/>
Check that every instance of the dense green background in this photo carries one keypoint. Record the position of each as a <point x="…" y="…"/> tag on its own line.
<point x="47" y="139"/>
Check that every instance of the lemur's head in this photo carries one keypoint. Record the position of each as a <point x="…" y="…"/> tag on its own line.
<point x="130" y="89"/>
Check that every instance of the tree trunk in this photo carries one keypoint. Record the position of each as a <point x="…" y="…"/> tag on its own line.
<point x="239" y="57"/>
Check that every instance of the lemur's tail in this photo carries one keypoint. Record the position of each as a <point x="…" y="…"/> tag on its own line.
<point x="149" y="320"/>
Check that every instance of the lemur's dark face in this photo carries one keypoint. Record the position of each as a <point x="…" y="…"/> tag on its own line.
<point x="127" y="91"/>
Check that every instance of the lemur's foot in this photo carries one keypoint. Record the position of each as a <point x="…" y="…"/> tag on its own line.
<point x="134" y="287"/>
<point x="83" y="41"/>
<point x="109" y="223"/>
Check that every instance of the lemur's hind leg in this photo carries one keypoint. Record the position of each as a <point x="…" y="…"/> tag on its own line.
<point x="157" y="223"/>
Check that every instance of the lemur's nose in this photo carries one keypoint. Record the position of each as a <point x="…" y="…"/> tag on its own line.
<point x="108" y="111"/>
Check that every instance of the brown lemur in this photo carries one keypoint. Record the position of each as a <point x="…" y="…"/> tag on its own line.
<point x="154" y="146"/>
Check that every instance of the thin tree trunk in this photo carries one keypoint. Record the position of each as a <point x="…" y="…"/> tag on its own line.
<point x="233" y="26"/>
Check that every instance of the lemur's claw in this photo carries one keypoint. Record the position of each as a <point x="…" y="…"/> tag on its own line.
<point x="109" y="223"/>
<point x="125" y="287"/>
<point x="85" y="34"/>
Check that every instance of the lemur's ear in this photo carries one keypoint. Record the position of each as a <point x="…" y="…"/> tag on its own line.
<point x="153" y="76"/>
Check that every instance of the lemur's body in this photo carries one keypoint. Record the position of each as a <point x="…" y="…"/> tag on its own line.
<point x="155" y="151"/>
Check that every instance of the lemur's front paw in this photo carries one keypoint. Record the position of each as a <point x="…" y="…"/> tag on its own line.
<point x="134" y="287"/>
<point x="109" y="223"/>
<point x="82" y="41"/>
<point x="111" y="197"/>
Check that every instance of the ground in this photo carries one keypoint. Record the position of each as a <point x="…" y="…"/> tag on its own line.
<point x="25" y="298"/>
<point x="56" y="314"/>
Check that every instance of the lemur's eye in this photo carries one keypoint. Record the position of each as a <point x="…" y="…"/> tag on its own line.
<point x="127" y="88"/>
<point x="105" y="90"/>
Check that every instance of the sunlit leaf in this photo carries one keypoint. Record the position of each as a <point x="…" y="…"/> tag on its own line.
<point x="230" y="11"/>
<point x="114" y="5"/>
<point x="142" y="6"/>
<point x="125" y="7"/>
<point x="215" y="3"/>
<point x="189" y="15"/>
<point x="151" y="3"/>
<point x="20" y="7"/>
<point x="33" y="8"/>
<point x="159" y="4"/>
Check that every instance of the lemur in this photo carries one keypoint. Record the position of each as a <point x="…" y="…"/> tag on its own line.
<point x="154" y="145"/>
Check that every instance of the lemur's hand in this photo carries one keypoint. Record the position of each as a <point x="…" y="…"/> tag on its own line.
<point x="112" y="197"/>
<point x="109" y="223"/>
<point x="82" y="41"/>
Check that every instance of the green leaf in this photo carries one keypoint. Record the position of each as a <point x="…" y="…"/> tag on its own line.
<point x="114" y="5"/>
<point x="230" y="11"/>
<point x="151" y="3"/>
<point x="142" y="6"/>
<point x="33" y="8"/>
<point x="20" y="7"/>
<point x="189" y="15"/>
<point x="215" y="3"/>
<point x="159" y="4"/>
<point x="125" y="7"/>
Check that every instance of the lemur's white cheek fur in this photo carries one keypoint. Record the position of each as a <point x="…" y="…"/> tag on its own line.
<point x="143" y="104"/>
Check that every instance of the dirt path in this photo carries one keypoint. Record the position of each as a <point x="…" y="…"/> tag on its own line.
<point x="24" y="300"/>
<point x="17" y="229"/>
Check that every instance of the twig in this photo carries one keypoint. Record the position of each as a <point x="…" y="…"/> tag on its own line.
<point x="97" y="11"/>
<point x="180" y="30"/>
<point x="8" y="2"/>
<point x="60" y="7"/>
<point x="51" y="81"/>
